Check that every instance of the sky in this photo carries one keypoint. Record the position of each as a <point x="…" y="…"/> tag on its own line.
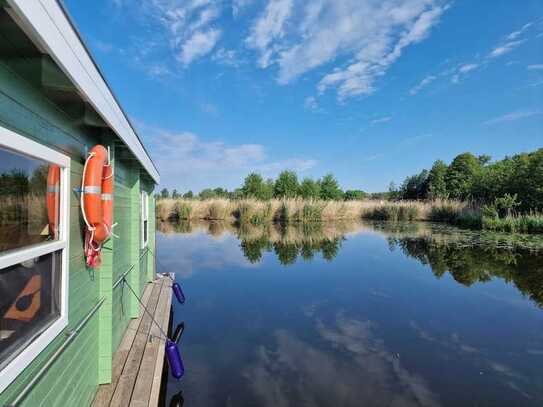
<point x="369" y="90"/>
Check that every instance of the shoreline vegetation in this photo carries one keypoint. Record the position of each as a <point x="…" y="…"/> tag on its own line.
<point x="470" y="192"/>
<point x="296" y="210"/>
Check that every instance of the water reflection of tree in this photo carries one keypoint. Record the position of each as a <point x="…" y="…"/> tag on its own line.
<point x="469" y="264"/>
<point x="288" y="242"/>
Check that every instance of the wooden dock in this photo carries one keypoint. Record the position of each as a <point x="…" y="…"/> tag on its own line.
<point x="138" y="362"/>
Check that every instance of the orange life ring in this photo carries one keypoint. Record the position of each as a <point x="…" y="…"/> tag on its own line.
<point x="97" y="201"/>
<point x="53" y="199"/>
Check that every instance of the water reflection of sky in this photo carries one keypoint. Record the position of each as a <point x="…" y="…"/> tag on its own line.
<point x="371" y="327"/>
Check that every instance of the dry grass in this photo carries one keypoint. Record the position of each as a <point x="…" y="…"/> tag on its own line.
<point x="299" y="210"/>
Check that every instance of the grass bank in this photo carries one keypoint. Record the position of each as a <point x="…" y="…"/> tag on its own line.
<point x="299" y="210"/>
<point x="250" y="211"/>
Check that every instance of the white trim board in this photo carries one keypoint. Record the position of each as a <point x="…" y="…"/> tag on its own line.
<point x="47" y="22"/>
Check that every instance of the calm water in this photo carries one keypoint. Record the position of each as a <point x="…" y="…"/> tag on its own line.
<point x="356" y="315"/>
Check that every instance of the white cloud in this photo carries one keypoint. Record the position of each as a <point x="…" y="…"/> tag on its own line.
<point x="227" y="57"/>
<point x="239" y="5"/>
<point x="186" y="160"/>
<point x="360" y="38"/>
<point x="511" y="42"/>
<point x="424" y="83"/>
<point x="184" y="26"/>
<point x="311" y="103"/>
<point x="269" y="27"/>
<point x="515" y="34"/>
<point x="198" y="45"/>
<point x="513" y="116"/>
<point x="504" y="48"/>
<point x="381" y="120"/>
<point x="158" y="71"/>
<point x="460" y="71"/>
<point x="465" y="68"/>
<point x="535" y="67"/>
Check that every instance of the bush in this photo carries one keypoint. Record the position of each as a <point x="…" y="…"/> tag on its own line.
<point x="531" y="223"/>
<point x="444" y="212"/>
<point x="217" y="211"/>
<point x="311" y="212"/>
<point x="181" y="210"/>
<point x="469" y="219"/>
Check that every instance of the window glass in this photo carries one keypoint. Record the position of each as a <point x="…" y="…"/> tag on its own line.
<point x="29" y="302"/>
<point x="29" y="204"/>
<point x="145" y="214"/>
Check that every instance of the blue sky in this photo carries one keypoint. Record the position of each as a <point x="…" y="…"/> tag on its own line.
<point x="370" y="90"/>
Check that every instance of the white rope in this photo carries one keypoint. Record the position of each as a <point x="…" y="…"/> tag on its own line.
<point x="91" y="228"/>
<point x="108" y="177"/>
<point x="112" y="233"/>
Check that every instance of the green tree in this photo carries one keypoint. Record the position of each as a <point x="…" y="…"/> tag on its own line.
<point x="393" y="191"/>
<point x="175" y="194"/>
<point x="188" y="195"/>
<point x="415" y="187"/>
<point x="484" y="159"/>
<point x="236" y="194"/>
<point x="267" y="190"/>
<point x="207" y="193"/>
<point x="220" y="192"/>
<point x="437" y="186"/>
<point x="164" y="193"/>
<point x="355" y="195"/>
<point x="309" y="189"/>
<point x="253" y="186"/>
<point x="461" y="176"/>
<point x="330" y="189"/>
<point x="286" y="185"/>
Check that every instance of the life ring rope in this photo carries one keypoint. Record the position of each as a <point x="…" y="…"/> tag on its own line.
<point x="82" y="198"/>
<point x="97" y="202"/>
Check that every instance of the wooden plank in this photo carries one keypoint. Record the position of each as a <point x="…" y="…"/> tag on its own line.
<point x="125" y="386"/>
<point x="105" y="392"/>
<point x="144" y="381"/>
<point x="138" y="363"/>
<point x="157" y="379"/>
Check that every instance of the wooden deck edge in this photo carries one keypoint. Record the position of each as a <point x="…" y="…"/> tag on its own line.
<point x="138" y="362"/>
<point x="157" y="379"/>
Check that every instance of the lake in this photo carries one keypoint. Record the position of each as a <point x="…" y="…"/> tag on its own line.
<point x="363" y="314"/>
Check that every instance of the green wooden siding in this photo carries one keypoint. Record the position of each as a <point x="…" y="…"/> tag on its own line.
<point x="121" y="260"/>
<point x="73" y="379"/>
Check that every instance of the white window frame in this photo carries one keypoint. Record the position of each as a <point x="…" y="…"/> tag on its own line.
<point x="144" y="218"/>
<point x="19" y="144"/>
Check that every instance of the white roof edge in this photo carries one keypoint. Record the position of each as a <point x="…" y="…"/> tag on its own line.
<point x="48" y="22"/>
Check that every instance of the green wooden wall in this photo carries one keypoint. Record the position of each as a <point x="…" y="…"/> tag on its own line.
<point x="25" y="109"/>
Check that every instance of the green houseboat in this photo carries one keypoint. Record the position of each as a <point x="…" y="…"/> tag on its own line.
<point x="61" y="320"/>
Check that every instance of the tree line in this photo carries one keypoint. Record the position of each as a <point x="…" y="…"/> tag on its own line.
<point x="287" y="185"/>
<point x="517" y="179"/>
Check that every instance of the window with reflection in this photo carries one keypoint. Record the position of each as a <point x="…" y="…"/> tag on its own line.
<point x="29" y="200"/>
<point x="30" y="301"/>
<point x="33" y="250"/>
